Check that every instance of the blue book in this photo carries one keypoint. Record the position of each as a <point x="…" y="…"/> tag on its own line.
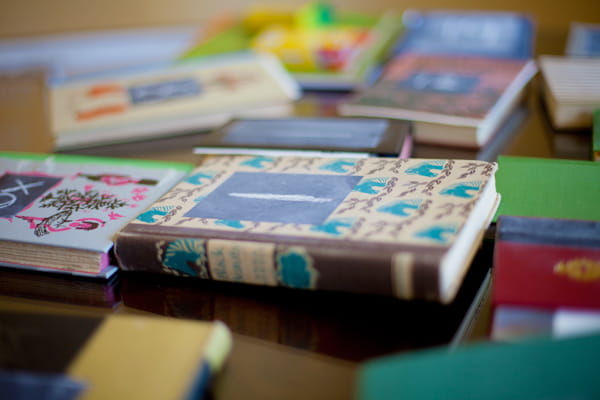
<point x="503" y="35"/>
<point x="583" y="40"/>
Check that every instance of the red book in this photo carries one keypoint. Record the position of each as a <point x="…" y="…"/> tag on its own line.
<point x="548" y="263"/>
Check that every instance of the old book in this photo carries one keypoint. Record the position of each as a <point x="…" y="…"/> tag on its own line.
<point x="110" y="356"/>
<point x="60" y="213"/>
<point x="526" y="184"/>
<point x="451" y="100"/>
<point x="493" y="34"/>
<point x="570" y="89"/>
<point x="545" y="270"/>
<point x="404" y="228"/>
<point x="359" y="137"/>
<point x="534" y="369"/>
<point x="167" y="99"/>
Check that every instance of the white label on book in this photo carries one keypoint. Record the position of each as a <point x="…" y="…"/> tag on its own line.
<point x="402" y="275"/>
<point x="248" y="262"/>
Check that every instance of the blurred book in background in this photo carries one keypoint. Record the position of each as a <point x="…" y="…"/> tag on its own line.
<point x="583" y="40"/>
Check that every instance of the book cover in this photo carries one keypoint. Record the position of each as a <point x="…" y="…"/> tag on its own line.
<point x="551" y="188"/>
<point x="334" y="136"/>
<point x="535" y="369"/>
<point x="547" y="262"/>
<point x="570" y="89"/>
<point x="60" y="212"/>
<point x="166" y="99"/>
<point x="114" y="356"/>
<point x="452" y="100"/>
<point x="404" y="228"/>
<point x="494" y="34"/>
<point x="583" y="40"/>
<point x="596" y="136"/>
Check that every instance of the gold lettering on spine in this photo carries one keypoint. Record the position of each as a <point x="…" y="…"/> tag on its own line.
<point x="237" y="261"/>
<point x="579" y="269"/>
<point x="402" y="267"/>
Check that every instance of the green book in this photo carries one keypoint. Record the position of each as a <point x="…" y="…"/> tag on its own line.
<point x="596" y="136"/>
<point x="552" y="188"/>
<point x="533" y="370"/>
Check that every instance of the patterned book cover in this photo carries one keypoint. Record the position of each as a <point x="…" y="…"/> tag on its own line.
<point x="571" y="90"/>
<point x="167" y="99"/>
<point x="547" y="262"/>
<point x="472" y="93"/>
<point x="60" y="212"/>
<point x="404" y="228"/>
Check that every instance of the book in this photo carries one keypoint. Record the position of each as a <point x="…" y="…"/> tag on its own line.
<point x="493" y="34"/>
<point x="570" y="87"/>
<point x="451" y="100"/>
<point x="111" y="356"/>
<point x="534" y="369"/>
<point x="405" y="228"/>
<point x="527" y="183"/>
<point x="167" y="99"/>
<point x="596" y="136"/>
<point x="60" y="213"/>
<point x="583" y="40"/>
<point x="337" y="137"/>
<point x="545" y="270"/>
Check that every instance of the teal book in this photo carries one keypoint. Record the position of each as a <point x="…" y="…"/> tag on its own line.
<point x="551" y="188"/>
<point x="536" y="369"/>
<point x="406" y="228"/>
<point x="60" y="212"/>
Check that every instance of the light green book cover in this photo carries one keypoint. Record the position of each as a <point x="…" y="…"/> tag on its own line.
<point x="552" y="188"/>
<point x="536" y="369"/>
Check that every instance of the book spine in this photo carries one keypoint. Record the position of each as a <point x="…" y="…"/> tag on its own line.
<point x="343" y="268"/>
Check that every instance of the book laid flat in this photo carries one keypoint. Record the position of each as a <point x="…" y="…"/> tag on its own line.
<point x="166" y="99"/>
<point x="494" y="34"/>
<point x="583" y="40"/>
<point x="451" y="100"/>
<point x="404" y="228"/>
<point x="570" y="88"/>
<point x="60" y="213"/>
<point x="535" y="369"/>
<point x="112" y="356"/>
<point x="360" y="137"/>
<point x="527" y="183"/>
<point x="544" y="264"/>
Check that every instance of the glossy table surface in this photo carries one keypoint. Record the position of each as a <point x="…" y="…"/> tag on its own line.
<point x="287" y="344"/>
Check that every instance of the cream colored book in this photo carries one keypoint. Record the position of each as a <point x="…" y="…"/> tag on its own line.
<point x="168" y="99"/>
<point x="571" y="90"/>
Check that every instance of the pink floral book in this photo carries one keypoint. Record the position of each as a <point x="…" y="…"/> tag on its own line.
<point x="60" y="212"/>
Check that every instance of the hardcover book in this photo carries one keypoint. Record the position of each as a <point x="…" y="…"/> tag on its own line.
<point x="451" y="100"/>
<point x="534" y="369"/>
<point x="109" y="357"/>
<point x="570" y="88"/>
<point x="542" y="266"/>
<point x="404" y="228"/>
<point x="360" y="137"/>
<point x="60" y="213"/>
<point x="494" y="34"/>
<point x="162" y="100"/>
<point x="527" y="183"/>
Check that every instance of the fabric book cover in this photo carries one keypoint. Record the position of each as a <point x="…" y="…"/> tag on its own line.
<point x="110" y="357"/>
<point x="404" y="228"/>
<point x="60" y="212"/>
<point x="318" y="136"/>
<point x="527" y="183"/>
<point x="547" y="262"/>
<point x="535" y="369"/>
<point x="494" y="34"/>
<point x="546" y="272"/>
<point x="165" y="99"/>
<point x="571" y="90"/>
<point x="452" y="100"/>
